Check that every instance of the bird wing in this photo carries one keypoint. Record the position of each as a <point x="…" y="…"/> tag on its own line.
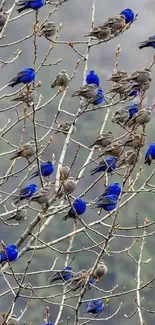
<point x="24" y="191"/>
<point x="108" y="199"/>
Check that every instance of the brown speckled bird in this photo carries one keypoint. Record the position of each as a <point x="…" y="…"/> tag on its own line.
<point x="103" y="139"/>
<point x="136" y="141"/>
<point x="26" y="151"/>
<point x="62" y="80"/>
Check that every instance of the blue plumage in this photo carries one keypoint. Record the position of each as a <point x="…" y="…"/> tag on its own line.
<point x="148" y="43"/>
<point x="64" y="274"/>
<point x="25" y="76"/>
<point x="99" y="97"/>
<point x="30" y="4"/>
<point x="92" y="78"/>
<point x="129" y="15"/>
<point x="107" y="202"/>
<point x="150" y="154"/>
<point x="26" y="192"/>
<point x="133" y="109"/>
<point x="114" y="188"/>
<point x="47" y="168"/>
<point x="79" y="205"/>
<point x="107" y="165"/>
<point x="10" y="253"/>
<point x="95" y="306"/>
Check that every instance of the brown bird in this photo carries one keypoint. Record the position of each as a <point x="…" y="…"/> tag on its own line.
<point x="100" y="271"/>
<point x="140" y="76"/>
<point x="87" y="91"/>
<point x="62" y="80"/>
<point x="114" y="149"/>
<point x="117" y="76"/>
<point x="101" y="32"/>
<point x="65" y="127"/>
<point x="26" y="150"/>
<point x="3" y="18"/>
<point x="25" y="96"/>
<point x="103" y="139"/>
<point x="120" y="116"/>
<point x="142" y="117"/>
<point x="129" y="158"/>
<point x="79" y="280"/>
<point x="136" y="141"/>
<point x="20" y="215"/>
<point x="48" y="29"/>
<point x="64" y="172"/>
<point x="67" y="187"/>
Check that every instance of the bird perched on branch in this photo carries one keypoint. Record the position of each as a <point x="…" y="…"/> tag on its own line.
<point x="42" y="196"/>
<point x="25" y="96"/>
<point x="139" y="76"/>
<point x="30" y="4"/>
<point x="47" y="29"/>
<point x="64" y="172"/>
<point x="65" y="127"/>
<point x="26" y="193"/>
<point x="108" y="165"/>
<point x="9" y="253"/>
<point x="64" y="274"/>
<point x="103" y="140"/>
<point x="150" y="154"/>
<point x="142" y="117"/>
<point x="125" y="88"/>
<point x="95" y="306"/>
<point x="79" y="207"/>
<point x="79" y="280"/>
<point x="88" y="92"/>
<point x="20" y="215"/>
<point x="107" y="202"/>
<point x="136" y="141"/>
<point x="68" y="186"/>
<point x="120" y="116"/>
<point x="150" y="42"/>
<point x="3" y="18"/>
<point x="100" y="271"/>
<point x="118" y="76"/>
<point x="129" y="158"/>
<point x="46" y="168"/>
<point x="27" y="150"/>
<point x="113" y="188"/>
<point x="101" y="32"/>
<point x="92" y="78"/>
<point x="62" y="80"/>
<point x="25" y="76"/>
<point x="113" y="149"/>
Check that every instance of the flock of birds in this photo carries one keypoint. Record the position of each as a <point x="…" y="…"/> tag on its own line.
<point x="130" y="117"/>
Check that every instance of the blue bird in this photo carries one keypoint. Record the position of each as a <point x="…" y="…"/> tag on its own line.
<point x="99" y="97"/>
<point x="47" y="168"/>
<point x="92" y="78"/>
<point x="25" y="76"/>
<point x="64" y="274"/>
<point x="79" y="205"/>
<point x="149" y="43"/>
<point x="150" y="154"/>
<point x="10" y="253"/>
<point x="26" y="192"/>
<point x="108" y="202"/>
<point x="114" y="189"/>
<point x="48" y="323"/>
<point x="128" y="14"/>
<point x="30" y="4"/>
<point x="95" y="306"/>
<point x="133" y="109"/>
<point x="107" y="165"/>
